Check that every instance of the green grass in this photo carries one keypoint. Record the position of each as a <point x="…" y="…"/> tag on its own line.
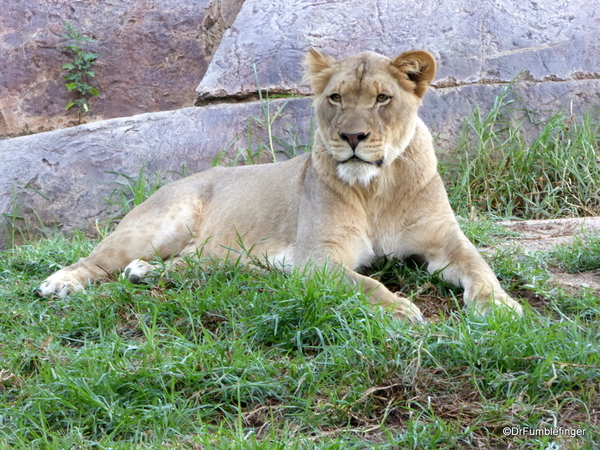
<point x="232" y="358"/>
<point x="236" y="358"/>
<point x="507" y="167"/>
<point x="581" y="255"/>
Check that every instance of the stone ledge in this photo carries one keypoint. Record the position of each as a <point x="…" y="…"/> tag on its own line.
<point x="474" y="42"/>
<point x="62" y="177"/>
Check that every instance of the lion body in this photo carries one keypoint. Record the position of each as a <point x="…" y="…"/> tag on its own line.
<point x="369" y="188"/>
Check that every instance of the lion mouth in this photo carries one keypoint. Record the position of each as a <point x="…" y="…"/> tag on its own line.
<point x="377" y="163"/>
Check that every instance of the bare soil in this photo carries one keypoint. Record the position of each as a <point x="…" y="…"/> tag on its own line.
<point x="544" y="235"/>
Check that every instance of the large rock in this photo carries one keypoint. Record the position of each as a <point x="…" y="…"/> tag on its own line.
<point x="554" y="45"/>
<point x="444" y="110"/>
<point x="62" y="178"/>
<point x="151" y="55"/>
<point x="474" y="41"/>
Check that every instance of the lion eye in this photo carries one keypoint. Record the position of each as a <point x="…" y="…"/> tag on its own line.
<point x="335" y="98"/>
<point x="382" y="98"/>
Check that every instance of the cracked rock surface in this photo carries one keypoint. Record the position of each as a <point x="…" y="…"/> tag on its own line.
<point x="550" y="48"/>
<point x="475" y="42"/>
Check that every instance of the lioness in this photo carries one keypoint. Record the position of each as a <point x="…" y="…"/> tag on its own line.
<point x="369" y="188"/>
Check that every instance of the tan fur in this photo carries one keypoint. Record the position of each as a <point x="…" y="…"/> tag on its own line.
<point x="369" y="188"/>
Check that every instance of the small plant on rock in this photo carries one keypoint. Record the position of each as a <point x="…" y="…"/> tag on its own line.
<point x="79" y="71"/>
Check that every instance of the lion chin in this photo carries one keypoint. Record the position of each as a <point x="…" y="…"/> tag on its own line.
<point x="369" y="188"/>
<point x="357" y="172"/>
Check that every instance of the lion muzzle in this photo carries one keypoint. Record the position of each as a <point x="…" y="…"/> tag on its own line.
<point x="353" y="139"/>
<point x="377" y="163"/>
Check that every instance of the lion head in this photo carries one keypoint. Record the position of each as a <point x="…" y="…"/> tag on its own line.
<point x="366" y="108"/>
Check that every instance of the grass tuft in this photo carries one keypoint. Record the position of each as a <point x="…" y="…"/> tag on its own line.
<point x="581" y="255"/>
<point x="498" y="169"/>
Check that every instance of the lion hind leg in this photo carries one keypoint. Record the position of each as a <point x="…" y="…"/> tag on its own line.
<point x="61" y="284"/>
<point x="140" y="271"/>
<point x="100" y="264"/>
<point x="137" y="270"/>
<point x="133" y="240"/>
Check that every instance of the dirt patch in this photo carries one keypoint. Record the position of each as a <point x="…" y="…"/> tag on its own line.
<point x="544" y="235"/>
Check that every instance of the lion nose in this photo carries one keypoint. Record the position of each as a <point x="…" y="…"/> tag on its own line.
<point x="354" y="138"/>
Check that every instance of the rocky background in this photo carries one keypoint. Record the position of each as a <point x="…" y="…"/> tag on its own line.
<point x="155" y="54"/>
<point x="152" y="53"/>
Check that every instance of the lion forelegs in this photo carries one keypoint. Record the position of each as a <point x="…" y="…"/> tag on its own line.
<point x="379" y="295"/>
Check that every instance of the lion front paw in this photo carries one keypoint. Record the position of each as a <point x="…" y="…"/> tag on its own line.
<point x="484" y="304"/>
<point x="61" y="284"/>
<point x="404" y="309"/>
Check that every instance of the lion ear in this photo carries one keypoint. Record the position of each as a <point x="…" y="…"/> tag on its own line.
<point x="419" y="67"/>
<point x="319" y="69"/>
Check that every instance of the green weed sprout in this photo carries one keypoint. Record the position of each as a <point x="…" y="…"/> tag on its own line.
<point x="79" y="71"/>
